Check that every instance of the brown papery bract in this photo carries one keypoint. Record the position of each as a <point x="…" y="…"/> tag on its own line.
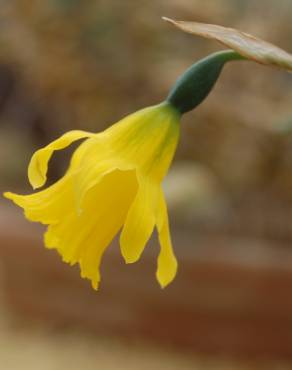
<point x="245" y="44"/>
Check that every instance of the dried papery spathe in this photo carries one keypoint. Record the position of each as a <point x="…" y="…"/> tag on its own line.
<point x="247" y="45"/>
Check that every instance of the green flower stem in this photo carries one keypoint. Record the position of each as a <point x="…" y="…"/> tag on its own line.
<point x="195" y="84"/>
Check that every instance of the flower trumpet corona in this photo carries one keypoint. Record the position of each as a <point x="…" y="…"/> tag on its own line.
<point x="113" y="183"/>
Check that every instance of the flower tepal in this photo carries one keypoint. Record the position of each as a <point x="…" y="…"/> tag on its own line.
<point x="113" y="183"/>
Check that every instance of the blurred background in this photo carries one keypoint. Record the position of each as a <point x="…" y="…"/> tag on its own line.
<point x="68" y="64"/>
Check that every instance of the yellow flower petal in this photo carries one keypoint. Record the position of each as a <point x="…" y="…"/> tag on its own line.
<point x="38" y="167"/>
<point x="140" y="221"/>
<point x="167" y="263"/>
<point x="90" y="176"/>
<point x="145" y="140"/>
<point x="153" y="133"/>
<point x="46" y="206"/>
<point x="83" y="238"/>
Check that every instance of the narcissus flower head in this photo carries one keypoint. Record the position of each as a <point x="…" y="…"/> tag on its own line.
<point x="113" y="183"/>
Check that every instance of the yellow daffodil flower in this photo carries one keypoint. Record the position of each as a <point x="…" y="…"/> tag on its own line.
<point x="113" y="183"/>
